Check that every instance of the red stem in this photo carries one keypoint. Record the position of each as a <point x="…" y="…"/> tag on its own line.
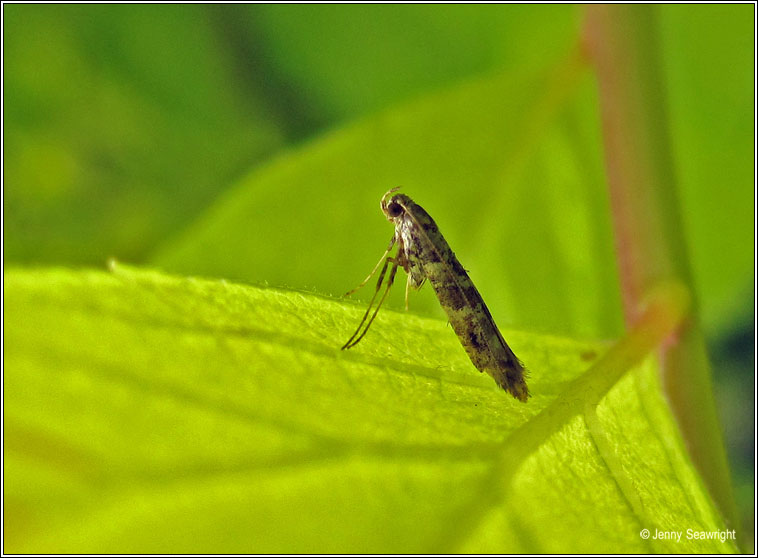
<point x="622" y="44"/>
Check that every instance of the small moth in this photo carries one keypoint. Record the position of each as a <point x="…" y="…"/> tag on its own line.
<point x="424" y="254"/>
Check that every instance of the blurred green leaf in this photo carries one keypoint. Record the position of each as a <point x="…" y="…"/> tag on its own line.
<point x="121" y="123"/>
<point x="710" y="77"/>
<point x="512" y="175"/>
<point x="148" y="413"/>
<point x="351" y="60"/>
<point x="513" y="162"/>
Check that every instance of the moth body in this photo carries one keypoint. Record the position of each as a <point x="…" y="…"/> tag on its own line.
<point x="424" y="254"/>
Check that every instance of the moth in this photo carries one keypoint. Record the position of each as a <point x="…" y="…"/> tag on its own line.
<point x="425" y="255"/>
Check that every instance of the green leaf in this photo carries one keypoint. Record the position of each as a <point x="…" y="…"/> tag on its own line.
<point x="709" y="77"/>
<point x="150" y="413"/>
<point x="513" y="162"/>
<point x="482" y="158"/>
<point x="372" y="56"/>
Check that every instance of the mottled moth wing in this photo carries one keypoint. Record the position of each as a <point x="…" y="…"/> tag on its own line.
<point x="425" y="247"/>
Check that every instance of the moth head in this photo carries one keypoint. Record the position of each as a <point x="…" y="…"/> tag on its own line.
<point x="393" y="206"/>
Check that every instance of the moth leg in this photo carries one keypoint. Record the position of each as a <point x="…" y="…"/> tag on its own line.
<point x="370" y="275"/>
<point x="382" y="273"/>
<point x="353" y="340"/>
<point x="407" y="289"/>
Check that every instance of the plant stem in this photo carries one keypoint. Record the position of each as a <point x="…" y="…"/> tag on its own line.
<point x="622" y="43"/>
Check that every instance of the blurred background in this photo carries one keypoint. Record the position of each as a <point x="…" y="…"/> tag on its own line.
<point x="253" y="143"/>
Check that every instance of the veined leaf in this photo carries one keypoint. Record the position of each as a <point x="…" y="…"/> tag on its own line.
<point x="150" y="413"/>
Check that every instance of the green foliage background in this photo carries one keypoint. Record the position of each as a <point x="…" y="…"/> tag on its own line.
<point x="252" y="144"/>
